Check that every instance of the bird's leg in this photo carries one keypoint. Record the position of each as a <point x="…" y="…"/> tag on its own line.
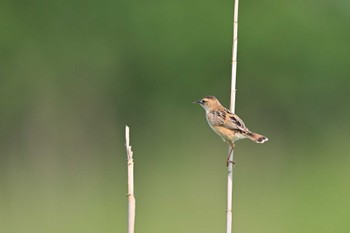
<point x="228" y="161"/>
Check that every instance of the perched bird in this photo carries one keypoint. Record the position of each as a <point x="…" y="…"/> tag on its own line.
<point x="226" y="124"/>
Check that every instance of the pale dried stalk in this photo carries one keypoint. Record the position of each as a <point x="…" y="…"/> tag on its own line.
<point x="131" y="197"/>
<point x="232" y="108"/>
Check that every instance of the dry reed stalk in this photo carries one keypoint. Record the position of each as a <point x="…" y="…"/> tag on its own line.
<point x="131" y="196"/>
<point x="229" y="211"/>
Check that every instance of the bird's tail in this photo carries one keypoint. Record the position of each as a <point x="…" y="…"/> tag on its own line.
<point x="256" y="137"/>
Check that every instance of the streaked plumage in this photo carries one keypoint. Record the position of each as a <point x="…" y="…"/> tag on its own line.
<point x="226" y="124"/>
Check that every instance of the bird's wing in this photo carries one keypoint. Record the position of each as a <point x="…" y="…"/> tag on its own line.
<point x="232" y="121"/>
<point x="225" y="118"/>
<point x="217" y="118"/>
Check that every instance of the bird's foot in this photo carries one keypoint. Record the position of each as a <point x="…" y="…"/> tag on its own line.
<point x="230" y="161"/>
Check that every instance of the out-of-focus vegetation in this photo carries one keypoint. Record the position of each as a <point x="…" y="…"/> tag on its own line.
<point x="73" y="73"/>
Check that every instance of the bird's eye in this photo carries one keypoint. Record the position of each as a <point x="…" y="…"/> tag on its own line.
<point x="203" y="101"/>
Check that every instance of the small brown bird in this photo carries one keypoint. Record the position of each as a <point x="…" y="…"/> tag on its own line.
<point x="226" y="124"/>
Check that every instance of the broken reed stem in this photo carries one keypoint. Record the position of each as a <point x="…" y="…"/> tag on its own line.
<point x="131" y="197"/>
<point x="229" y="211"/>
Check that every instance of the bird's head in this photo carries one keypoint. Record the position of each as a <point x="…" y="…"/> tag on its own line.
<point x="209" y="103"/>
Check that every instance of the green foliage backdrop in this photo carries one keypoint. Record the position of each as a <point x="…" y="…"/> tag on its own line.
<point x="73" y="73"/>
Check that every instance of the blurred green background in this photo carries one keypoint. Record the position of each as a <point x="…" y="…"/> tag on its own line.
<point x="73" y="73"/>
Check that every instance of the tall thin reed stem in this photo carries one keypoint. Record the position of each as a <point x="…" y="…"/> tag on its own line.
<point x="229" y="212"/>
<point x="131" y="197"/>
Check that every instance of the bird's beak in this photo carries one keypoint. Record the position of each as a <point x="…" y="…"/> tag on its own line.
<point x="198" y="102"/>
